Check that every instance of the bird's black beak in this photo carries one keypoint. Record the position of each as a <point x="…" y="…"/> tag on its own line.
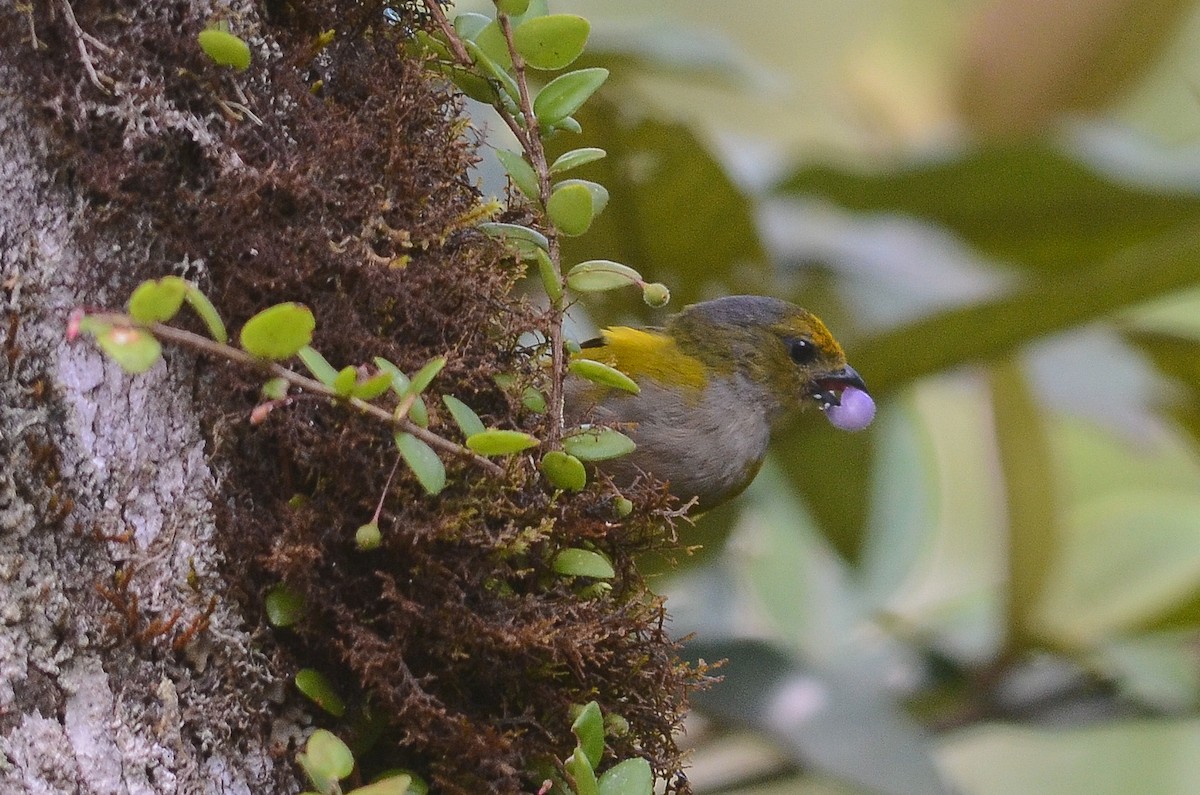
<point x="831" y="385"/>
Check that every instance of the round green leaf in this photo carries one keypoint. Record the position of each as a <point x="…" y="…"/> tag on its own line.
<point x="392" y="785"/>
<point x="631" y="777"/>
<point x="600" y="373"/>
<point x="523" y="240"/>
<point x="284" y="606"/>
<point x="576" y="158"/>
<point x="553" y="41"/>
<point x="623" y="506"/>
<point x="423" y="461"/>
<point x="570" y="209"/>
<point x="500" y="442"/>
<point x="596" y="275"/>
<point x="597" y="444"/>
<point x="598" y="191"/>
<point x="521" y="173"/>
<point x="491" y="41"/>
<point x="225" y="48"/>
<point x="278" y="332"/>
<point x="157" y="301"/>
<point x="565" y="94"/>
<point x="583" y="563"/>
<point x="135" y="350"/>
<point x="473" y="85"/>
<point x="468" y="25"/>
<point x="564" y="471"/>
<point x="327" y="756"/>
<point x="464" y="416"/>
<point x="514" y="8"/>
<point x="533" y="399"/>
<point x="317" y="688"/>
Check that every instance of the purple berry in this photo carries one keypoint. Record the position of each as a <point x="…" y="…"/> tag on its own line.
<point x="856" y="411"/>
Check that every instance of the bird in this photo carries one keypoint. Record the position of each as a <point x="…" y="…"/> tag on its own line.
<point x="712" y="383"/>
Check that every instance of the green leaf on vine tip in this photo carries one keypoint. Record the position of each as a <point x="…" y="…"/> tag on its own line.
<point x="424" y="377"/>
<point x="399" y="784"/>
<point x="326" y="760"/>
<point x="551" y="42"/>
<point x="597" y="275"/>
<point x="464" y="416"/>
<point x="500" y="442"/>
<point x="318" y="365"/>
<point x="564" y="471"/>
<point x="565" y="94"/>
<point x="225" y="49"/>
<point x="134" y="349"/>
<point x="512" y="7"/>
<point x="278" y="332"/>
<point x="157" y="300"/>
<point x="423" y="462"/>
<point x="598" y="191"/>
<point x="588" y="728"/>
<point x="521" y="239"/>
<point x="600" y="373"/>
<point x="319" y="690"/>
<point x="373" y="387"/>
<point x="521" y="173"/>
<point x="343" y="383"/>
<point x="630" y="777"/>
<point x="597" y="444"/>
<point x="207" y="313"/>
<point x="576" y="158"/>
<point x="551" y="280"/>
<point x="468" y="25"/>
<point x="284" y="606"/>
<point x="570" y="209"/>
<point x="579" y="768"/>
<point x="577" y="562"/>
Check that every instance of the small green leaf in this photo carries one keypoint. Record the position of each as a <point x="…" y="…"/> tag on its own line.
<point x="275" y="389"/>
<point x="475" y="86"/>
<point x="553" y="41"/>
<point x="373" y="387"/>
<point x="521" y="173"/>
<point x="343" y="383"/>
<point x="423" y="461"/>
<point x="583" y="563"/>
<point x="225" y="48"/>
<point x="564" y="471"/>
<point x="318" y="689"/>
<point x="513" y="8"/>
<point x="491" y="68"/>
<point x="568" y="124"/>
<point x="551" y="280"/>
<point x="588" y="728"/>
<point x="464" y="416"/>
<point x="597" y="444"/>
<point x="600" y="373"/>
<point x="368" y="537"/>
<point x="582" y="774"/>
<point x="597" y="275"/>
<point x="326" y="760"/>
<point x="424" y="377"/>
<point x="157" y="301"/>
<point x="631" y="777"/>
<point x="565" y="94"/>
<point x="284" y="606"/>
<point x="576" y="158"/>
<point x="469" y="25"/>
<point x="393" y="785"/>
<point x="318" y="365"/>
<point x="598" y="191"/>
<point x="521" y="239"/>
<point x="490" y="39"/>
<point x="533" y="399"/>
<point x="401" y="385"/>
<point x="623" y="507"/>
<point x="207" y="313"/>
<point x="134" y="349"/>
<point x="570" y="209"/>
<point x="500" y="442"/>
<point x="278" y="332"/>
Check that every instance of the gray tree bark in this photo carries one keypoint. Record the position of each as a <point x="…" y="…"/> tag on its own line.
<point x="105" y="527"/>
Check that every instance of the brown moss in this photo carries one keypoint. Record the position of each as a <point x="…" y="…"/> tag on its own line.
<point x="346" y="190"/>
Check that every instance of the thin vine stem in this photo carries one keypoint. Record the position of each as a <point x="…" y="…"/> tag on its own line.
<point x="220" y="350"/>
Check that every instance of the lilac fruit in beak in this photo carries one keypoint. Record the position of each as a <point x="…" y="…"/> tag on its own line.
<point x="844" y="399"/>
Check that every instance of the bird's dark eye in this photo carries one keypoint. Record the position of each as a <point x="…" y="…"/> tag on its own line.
<point x="802" y="351"/>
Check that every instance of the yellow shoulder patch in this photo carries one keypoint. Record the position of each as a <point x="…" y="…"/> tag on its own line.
<point x="648" y="354"/>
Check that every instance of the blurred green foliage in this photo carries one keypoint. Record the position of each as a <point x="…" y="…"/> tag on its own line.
<point x="997" y="588"/>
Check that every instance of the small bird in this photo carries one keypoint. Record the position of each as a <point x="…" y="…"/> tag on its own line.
<point x="713" y="382"/>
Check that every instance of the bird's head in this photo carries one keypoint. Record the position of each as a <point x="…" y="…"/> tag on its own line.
<point x="783" y="350"/>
